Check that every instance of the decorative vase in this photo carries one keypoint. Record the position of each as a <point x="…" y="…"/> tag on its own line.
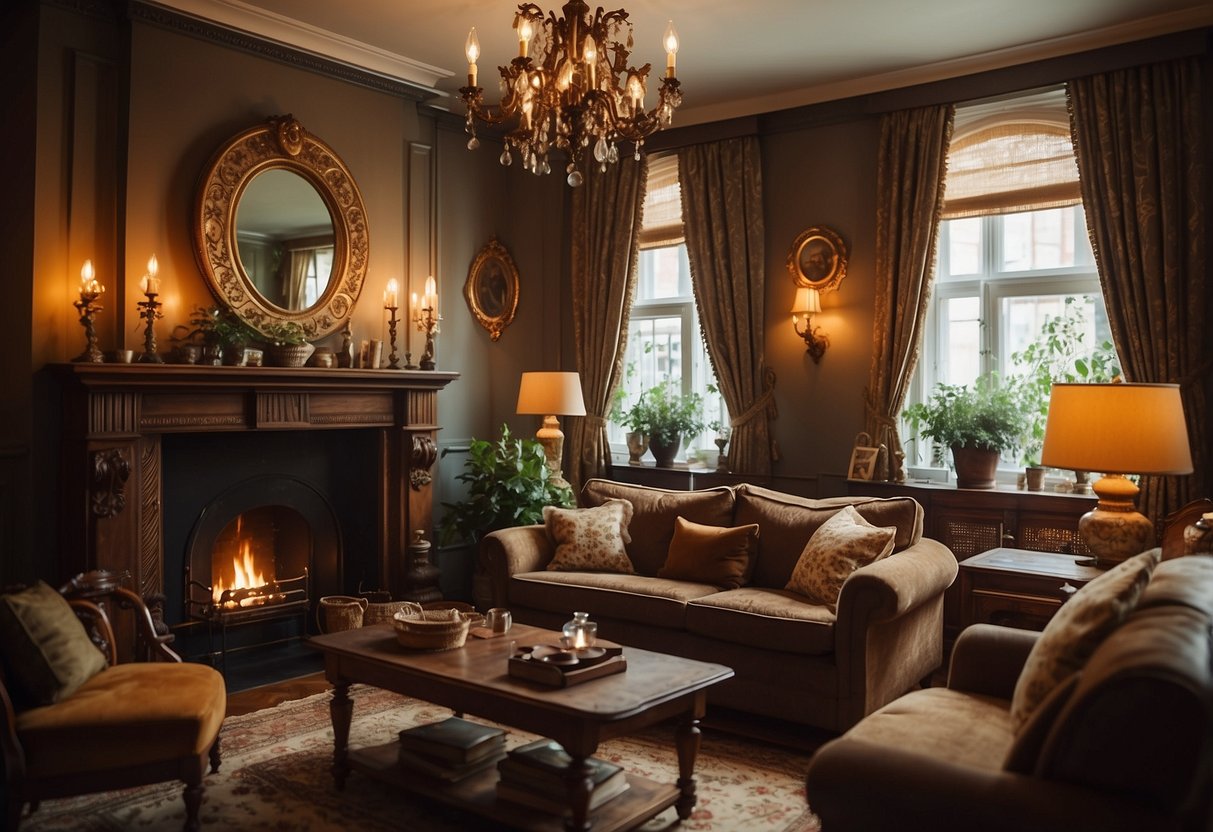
<point x="975" y="467"/>
<point x="722" y="459"/>
<point x="1035" y="476"/>
<point x="638" y="446"/>
<point x="580" y="632"/>
<point x="664" y="453"/>
<point x="290" y="355"/>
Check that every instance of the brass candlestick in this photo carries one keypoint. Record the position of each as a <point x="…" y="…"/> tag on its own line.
<point x="427" y="322"/>
<point x="393" y="359"/>
<point x="87" y="308"/>
<point x="150" y="310"/>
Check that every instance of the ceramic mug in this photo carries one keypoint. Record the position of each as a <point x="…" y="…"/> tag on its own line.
<point x="498" y="619"/>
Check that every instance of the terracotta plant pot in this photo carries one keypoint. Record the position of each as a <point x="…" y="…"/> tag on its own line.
<point x="975" y="467"/>
<point x="1035" y="477"/>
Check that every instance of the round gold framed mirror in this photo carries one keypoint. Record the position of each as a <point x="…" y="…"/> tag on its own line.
<point x="818" y="259"/>
<point x="280" y="230"/>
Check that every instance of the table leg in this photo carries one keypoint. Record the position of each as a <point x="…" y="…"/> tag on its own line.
<point x="341" y="710"/>
<point x="687" y="738"/>
<point x="580" y="785"/>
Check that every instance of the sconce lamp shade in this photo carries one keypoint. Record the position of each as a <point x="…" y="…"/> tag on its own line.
<point x="1116" y="429"/>
<point x="551" y="394"/>
<point x="807" y="302"/>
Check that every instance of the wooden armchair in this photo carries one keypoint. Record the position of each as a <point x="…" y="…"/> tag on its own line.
<point x="130" y="724"/>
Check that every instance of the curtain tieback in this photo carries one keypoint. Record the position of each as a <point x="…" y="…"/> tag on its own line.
<point x="594" y="422"/>
<point x="764" y="402"/>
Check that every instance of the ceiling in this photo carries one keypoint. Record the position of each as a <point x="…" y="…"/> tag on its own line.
<point x="735" y="58"/>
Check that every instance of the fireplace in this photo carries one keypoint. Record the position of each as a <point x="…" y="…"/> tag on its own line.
<point x="325" y="473"/>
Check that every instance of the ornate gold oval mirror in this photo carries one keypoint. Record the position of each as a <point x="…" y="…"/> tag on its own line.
<point x="280" y="230"/>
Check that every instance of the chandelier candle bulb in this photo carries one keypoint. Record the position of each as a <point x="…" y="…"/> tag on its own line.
<point x="670" y="41"/>
<point x="391" y="296"/>
<point x="472" y="50"/>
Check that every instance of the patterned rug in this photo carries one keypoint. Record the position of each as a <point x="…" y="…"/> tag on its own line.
<point x="275" y="776"/>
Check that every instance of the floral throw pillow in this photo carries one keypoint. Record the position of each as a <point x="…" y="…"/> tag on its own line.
<point x="840" y="545"/>
<point x="1078" y="628"/>
<point x="590" y="539"/>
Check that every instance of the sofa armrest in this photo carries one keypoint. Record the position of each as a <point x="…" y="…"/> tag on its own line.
<point x="509" y="552"/>
<point x="888" y="634"/>
<point x="987" y="659"/>
<point x="918" y="791"/>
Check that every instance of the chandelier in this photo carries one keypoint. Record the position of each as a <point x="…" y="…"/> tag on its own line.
<point x="578" y="90"/>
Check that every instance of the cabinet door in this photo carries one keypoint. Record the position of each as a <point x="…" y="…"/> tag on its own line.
<point x="968" y="532"/>
<point x="1050" y="532"/>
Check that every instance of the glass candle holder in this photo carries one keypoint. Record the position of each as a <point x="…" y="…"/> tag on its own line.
<point x="580" y="632"/>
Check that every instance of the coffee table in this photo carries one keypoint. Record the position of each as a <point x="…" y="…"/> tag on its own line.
<point x="474" y="679"/>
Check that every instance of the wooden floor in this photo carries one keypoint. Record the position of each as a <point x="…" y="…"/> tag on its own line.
<point x="267" y="696"/>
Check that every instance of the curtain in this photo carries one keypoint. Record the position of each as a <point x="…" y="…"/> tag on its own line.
<point x="722" y="213"/>
<point x="606" y="219"/>
<point x="1141" y="158"/>
<point x="296" y="285"/>
<point x="909" y="195"/>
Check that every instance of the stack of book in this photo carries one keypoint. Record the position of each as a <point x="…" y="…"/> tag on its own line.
<point x="534" y="775"/>
<point x="452" y="749"/>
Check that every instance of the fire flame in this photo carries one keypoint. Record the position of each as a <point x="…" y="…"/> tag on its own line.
<point x="248" y="576"/>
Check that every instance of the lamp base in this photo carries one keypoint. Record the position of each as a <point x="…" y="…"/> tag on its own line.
<point x="552" y="439"/>
<point x="1114" y="530"/>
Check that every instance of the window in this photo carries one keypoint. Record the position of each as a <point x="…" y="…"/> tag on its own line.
<point x="1013" y="251"/>
<point x="664" y="341"/>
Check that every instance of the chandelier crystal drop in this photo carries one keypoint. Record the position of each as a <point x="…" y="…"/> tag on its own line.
<point x="578" y="94"/>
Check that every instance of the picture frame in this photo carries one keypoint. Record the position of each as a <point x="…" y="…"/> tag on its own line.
<point x="818" y="258"/>
<point x="491" y="289"/>
<point x="863" y="458"/>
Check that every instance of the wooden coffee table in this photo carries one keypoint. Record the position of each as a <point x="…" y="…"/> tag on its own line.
<point x="474" y="680"/>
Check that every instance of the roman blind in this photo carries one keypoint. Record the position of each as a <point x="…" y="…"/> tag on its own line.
<point x="662" y="222"/>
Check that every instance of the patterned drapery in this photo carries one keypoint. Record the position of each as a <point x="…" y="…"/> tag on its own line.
<point x="909" y="197"/>
<point x="1139" y="138"/>
<point x="722" y="214"/>
<point x="605" y="243"/>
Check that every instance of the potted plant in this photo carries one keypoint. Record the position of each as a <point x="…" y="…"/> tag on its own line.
<point x="666" y="416"/>
<point x="288" y="345"/>
<point x="218" y="331"/>
<point x="977" y="422"/>
<point x="509" y="483"/>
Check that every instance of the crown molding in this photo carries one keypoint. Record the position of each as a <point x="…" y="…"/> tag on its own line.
<point x="239" y="17"/>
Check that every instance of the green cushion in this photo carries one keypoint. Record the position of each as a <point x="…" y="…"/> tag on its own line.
<point x="47" y="652"/>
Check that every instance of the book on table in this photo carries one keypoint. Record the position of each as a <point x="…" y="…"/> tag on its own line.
<point x="536" y="775"/>
<point x="447" y="772"/>
<point x="453" y="742"/>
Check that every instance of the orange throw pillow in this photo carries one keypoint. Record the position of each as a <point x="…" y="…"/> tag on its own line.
<point x="716" y="555"/>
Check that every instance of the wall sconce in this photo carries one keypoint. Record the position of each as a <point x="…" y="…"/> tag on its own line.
<point x="808" y="303"/>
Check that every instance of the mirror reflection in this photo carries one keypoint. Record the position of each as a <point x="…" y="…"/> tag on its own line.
<point x="285" y="239"/>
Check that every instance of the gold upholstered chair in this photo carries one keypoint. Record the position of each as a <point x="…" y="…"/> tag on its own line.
<point x="92" y="699"/>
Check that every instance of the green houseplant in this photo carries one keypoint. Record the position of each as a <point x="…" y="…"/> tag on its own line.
<point x="288" y="345"/>
<point x="665" y="416"/>
<point x="978" y="422"/>
<point x="218" y="330"/>
<point x="509" y="483"/>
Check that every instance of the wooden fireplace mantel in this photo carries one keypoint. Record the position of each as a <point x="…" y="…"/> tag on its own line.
<point x="115" y="414"/>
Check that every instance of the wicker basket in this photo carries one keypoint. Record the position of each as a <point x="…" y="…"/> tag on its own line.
<point x="382" y="612"/>
<point x="421" y="629"/>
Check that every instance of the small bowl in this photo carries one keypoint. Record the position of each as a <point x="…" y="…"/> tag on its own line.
<point x="561" y="658"/>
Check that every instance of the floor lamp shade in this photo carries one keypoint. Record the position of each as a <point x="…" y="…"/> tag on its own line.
<point x="550" y="395"/>
<point x="1116" y="429"/>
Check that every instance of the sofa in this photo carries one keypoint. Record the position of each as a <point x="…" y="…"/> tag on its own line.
<point x="1124" y="743"/>
<point x="823" y="665"/>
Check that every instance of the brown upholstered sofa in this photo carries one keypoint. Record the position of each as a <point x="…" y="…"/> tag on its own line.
<point x="1127" y="744"/>
<point x="793" y="659"/>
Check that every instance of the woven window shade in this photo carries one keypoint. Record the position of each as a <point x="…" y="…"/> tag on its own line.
<point x="662" y="224"/>
<point x="1009" y="167"/>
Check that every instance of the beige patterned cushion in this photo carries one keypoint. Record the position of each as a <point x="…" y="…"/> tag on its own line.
<point x="717" y="555"/>
<point x="841" y="545"/>
<point x="590" y="539"/>
<point x="47" y="652"/>
<point x="1079" y="627"/>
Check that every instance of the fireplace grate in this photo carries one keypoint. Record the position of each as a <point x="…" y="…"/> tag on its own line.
<point x="278" y="600"/>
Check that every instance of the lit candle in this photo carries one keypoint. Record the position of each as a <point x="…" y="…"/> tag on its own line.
<point x="472" y="50"/>
<point x="88" y="280"/>
<point x="431" y="294"/>
<point x="151" y="283"/>
<point x="413" y="306"/>
<point x="670" y="41"/>
<point x="525" y="32"/>
<point x="390" y="296"/>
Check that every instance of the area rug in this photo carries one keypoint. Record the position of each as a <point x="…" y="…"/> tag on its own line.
<point x="275" y="776"/>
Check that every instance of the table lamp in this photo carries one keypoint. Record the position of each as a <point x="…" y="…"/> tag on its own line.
<point x="550" y="395"/>
<point x="1116" y="429"/>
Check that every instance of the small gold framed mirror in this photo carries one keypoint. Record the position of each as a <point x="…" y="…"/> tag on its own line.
<point x="280" y="230"/>
<point x="491" y="289"/>
<point x="818" y="259"/>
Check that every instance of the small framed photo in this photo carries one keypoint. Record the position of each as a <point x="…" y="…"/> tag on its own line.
<point x="863" y="463"/>
<point x="818" y="259"/>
